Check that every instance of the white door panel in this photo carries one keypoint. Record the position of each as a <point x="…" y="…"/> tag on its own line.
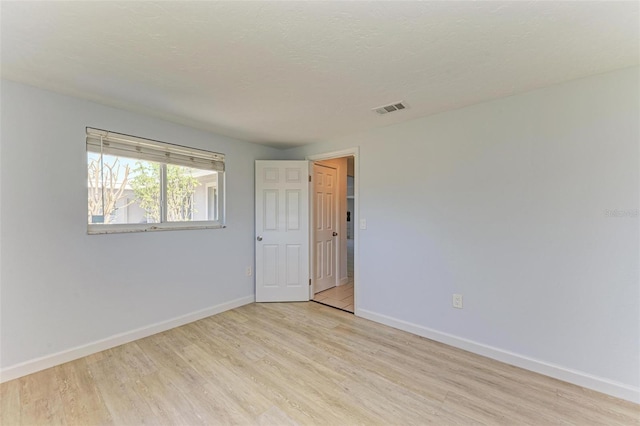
<point x="324" y="189"/>
<point x="282" y="231"/>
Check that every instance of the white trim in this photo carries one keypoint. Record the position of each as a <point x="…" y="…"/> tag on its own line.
<point x="580" y="378"/>
<point x="120" y="228"/>
<point x="48" y="361"/>
<point x="334" y="154"/>
<point x="344" y="281"/>
<point x="208" y="185"/>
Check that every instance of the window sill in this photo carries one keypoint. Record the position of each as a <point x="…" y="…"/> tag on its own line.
<point x="151" y="227"/>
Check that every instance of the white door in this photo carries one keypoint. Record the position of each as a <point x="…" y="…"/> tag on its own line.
<point x="324" y="227"/>
<point x="282" y="231"/>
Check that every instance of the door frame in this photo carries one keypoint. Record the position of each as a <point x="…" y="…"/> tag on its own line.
<point x="355" y="153"/>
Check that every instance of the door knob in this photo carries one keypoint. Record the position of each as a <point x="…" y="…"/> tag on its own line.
<point x="259" y="238"/>
<point x="335" y="234"/>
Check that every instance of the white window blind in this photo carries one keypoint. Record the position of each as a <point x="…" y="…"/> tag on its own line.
<point x="102" y="141"/>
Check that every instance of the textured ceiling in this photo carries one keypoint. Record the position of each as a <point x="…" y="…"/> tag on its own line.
<point x="290" y="73"/>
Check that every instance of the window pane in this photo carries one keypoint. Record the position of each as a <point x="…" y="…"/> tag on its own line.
<point x="188" y="193"/>
<point x="145" y="187"/>
<point x="122" y="190"/>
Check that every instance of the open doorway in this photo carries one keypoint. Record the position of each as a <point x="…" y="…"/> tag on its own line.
<point x="333" y="232"/>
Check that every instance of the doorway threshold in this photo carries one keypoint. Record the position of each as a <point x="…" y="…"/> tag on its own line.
<point x="331" y="306"/>
<point x="339" y="297"/>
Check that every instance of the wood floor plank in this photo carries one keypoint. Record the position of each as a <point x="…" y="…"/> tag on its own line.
<point x="40" y="400"/>
<point x="388" y="402"/>
<point x="615" y="410"/>
<point x="208" y="401"/>
<point x="298" y="364"/>
<point x="169" y="402"/>
<point x="275" y="417"/>
<point x="81" y="399"/>
<point x="10" y="412"/>
<point x="123" y="402"/>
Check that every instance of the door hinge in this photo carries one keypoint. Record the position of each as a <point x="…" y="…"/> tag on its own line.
<point x="309" y="178"/>
<point x="309" y="281"/>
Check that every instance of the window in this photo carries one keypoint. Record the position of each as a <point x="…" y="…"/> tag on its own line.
<point x="137" y="184"/>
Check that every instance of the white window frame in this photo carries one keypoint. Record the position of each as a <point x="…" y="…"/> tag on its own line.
<point x="111" y="143"/>
<point x="206" y="197"/>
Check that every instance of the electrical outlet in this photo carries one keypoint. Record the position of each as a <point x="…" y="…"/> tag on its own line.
<point x="249" y="271"/>
<point x="457" y="301"/>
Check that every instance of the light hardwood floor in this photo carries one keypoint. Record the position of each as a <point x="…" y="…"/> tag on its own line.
<point x="298" y="363"/>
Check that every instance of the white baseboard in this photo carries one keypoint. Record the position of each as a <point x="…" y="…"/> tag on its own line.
<point x="48" y="361"/>
<point x="609" y="387"/>
<point x="343" y="281"/>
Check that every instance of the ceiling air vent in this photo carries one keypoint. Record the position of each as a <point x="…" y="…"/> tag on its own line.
<point x="385" y="109"/>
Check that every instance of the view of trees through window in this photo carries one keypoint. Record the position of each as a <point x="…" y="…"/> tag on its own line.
<point x="124" y="190"/>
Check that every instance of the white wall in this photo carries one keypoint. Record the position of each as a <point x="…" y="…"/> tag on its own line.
<point x="505" y="203"/>
<point x="62" y="288"/>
